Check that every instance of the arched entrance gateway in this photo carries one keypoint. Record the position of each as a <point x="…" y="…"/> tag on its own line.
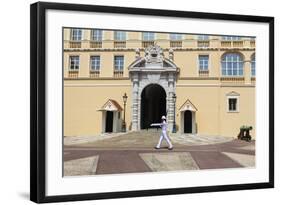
<point x="154" y="79"/>
<point x="153" y="105"/>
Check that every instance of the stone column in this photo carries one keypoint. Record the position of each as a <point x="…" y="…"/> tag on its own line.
<point x="170" y="103"/>
<point x="171" y="54"/>
<point x="135" y="103"/>
<point x="247" y="70"/>
<point x="86" y="38"/>
<point x="66" y="36"/>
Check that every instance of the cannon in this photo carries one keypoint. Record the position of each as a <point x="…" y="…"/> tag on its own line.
<point x="244" y="133"/>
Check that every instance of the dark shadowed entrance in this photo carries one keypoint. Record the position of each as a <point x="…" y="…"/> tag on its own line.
<point x="187" y="121"/>
<point x="109" y="121"/>
<point x="153" y="105"/>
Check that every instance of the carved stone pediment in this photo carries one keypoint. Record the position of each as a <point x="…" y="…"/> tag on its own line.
<point x="232" y="93"/>
<point x="111" y="105"/>
<point x="153" y="59"/>
<point x="188" y="106"/>
<point x="154" y="56"/>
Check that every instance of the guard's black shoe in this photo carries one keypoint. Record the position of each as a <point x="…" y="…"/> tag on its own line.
<point x="170" y="148"/>
<point x="156" y="147"/>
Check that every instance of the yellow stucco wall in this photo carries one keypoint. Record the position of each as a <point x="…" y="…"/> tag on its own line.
<point x="205" y="99"/>
<point x="84" y="96"/>
<point x="82" y="104"/>
<point x="245" y="116"/>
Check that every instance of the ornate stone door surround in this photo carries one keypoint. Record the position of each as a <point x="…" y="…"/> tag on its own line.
<point x="153" y="68"/>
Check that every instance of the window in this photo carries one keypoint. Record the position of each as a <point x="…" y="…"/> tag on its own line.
<point x="175" y="37"/>
<point x="76" y="34"/>
<point x="97" y="35"/>
<point x="95" y="63"/>
<point x="253" y="65"/>
<point x="203" y="37"/>
<point x="203" y="62"/>
<point x="231" y="38"/>
<point x="232" y="101"/>
<point x="118" y="63"/>
<point x="74" y="63"/>
<point x="148" y="36"/>
<point x="232" y="104"/>
<point x="232" y="64"/>
<point x="119" y="35"/>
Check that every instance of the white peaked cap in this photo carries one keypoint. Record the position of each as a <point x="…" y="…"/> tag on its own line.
<point x="163" y="117"/>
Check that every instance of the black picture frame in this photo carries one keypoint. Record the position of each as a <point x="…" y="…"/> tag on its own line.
<point x="38" y="101"/>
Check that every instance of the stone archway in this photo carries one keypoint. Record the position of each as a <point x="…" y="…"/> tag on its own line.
<point x="153" y="68"/>
<point x="153" y="105"/>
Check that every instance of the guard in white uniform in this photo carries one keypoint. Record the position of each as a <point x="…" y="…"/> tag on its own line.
<point x="164" y="135"/>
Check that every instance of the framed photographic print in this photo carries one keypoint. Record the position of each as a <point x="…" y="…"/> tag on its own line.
<point x="129" y="102"/>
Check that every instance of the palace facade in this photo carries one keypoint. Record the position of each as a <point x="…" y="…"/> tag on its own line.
<point x="204" y="84"/>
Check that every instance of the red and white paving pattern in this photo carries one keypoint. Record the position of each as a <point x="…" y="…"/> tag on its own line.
<point x="134" y="153"/>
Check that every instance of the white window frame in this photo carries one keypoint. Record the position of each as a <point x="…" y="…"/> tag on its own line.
<point x="150" y="36"/>
<point x="75" y="69"/>
<point x="231" y="38"/>
<point x="237" y="104"/>
<point x="253" y="61"/>
<point x="232" y="69"/>
<point x="91" y="68"/>
<point x="114" y="63"/>
<point x="117" y="35"/>
<point x="100" y="35"/>
<point x="72" y="34"/>
<point x="178" y="37"/>
<point x="203" y="37"/>
<point x="208" y="67"/>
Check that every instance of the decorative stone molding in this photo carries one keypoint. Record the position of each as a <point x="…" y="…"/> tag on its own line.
<point x="187" y="105"/>
<point x="153" y="68"/>
<point x="232" y="93"/>
<point x="171" y="54"/>
<point x="137" y="53"/>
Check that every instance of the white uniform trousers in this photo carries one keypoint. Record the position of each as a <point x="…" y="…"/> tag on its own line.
<point x="164" y="135"/>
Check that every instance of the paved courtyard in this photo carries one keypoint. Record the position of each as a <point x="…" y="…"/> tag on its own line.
<point x="134" y="152"/>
